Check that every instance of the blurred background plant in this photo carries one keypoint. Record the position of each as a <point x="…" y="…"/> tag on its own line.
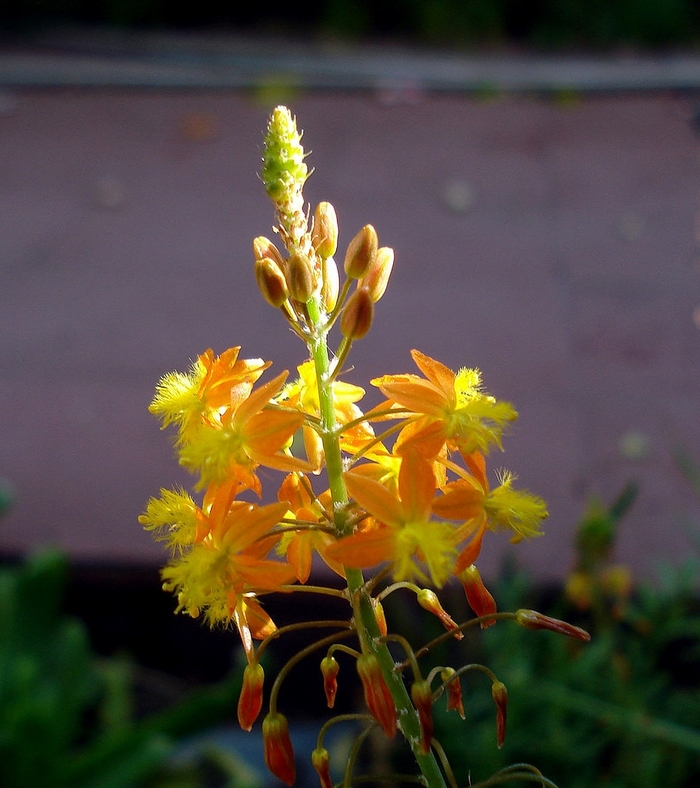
<point x="70" y="718"/>
<point x="623" y="710"/>
<point x="544" y="23"/>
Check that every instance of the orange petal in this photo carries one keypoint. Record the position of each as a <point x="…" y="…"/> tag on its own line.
<point x="364" y="549"/>
<point x="416" y="486"/>
<point x="413" y="393"/>
<point x="374" y="498"/>
<point x="437" y="373"/>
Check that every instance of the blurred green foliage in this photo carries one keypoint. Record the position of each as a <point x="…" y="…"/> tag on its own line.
<point x="67" y="717"/>
<point x="544" y="23"/>
<point x="622" y="711"/>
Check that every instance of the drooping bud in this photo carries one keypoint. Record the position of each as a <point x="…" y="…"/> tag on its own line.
<point x="324" y="233"/>
<point x="422" y="697"/>
<point x="377" y="276"/>
<point x="380" y="616"/>
<point x="478" y="596"/>
<point x="500" y="698"/>
<point x="330" y="669"/>
<point x="531" y="619"/>
<point x="321" y="761"/>
<point x="357" y="315"/>
<point x="300" y="277"/>
<point x="453" y="688"/>
<point x="361" y="252"/>
<point x="271" y="281"/>
<point x="251" y="697"/>
<point x="330" y="283"/>
<point x="377" y="695"/>
<point x="428" y="599"/>
<point x="279" y="754"/>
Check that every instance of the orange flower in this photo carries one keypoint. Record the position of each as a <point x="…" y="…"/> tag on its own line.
<point x="212" y="383"/>
<point x="446" y="408"/>
<point x="406" y="532"/>
<point x="299" y="546"/>
<point x="242" y="437"/>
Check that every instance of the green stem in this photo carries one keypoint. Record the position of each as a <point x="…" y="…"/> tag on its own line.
<point x="365" y="619"/>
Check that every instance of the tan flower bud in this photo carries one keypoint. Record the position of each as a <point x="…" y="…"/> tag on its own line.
<point x="377" y="276"/>
<point x="324" y="233"/>
<point x="361" y="252"/>
<point x="300" y="277"/>
<point x="263" y="247"/>
<point x="330" y="283"/>
<point x="356" y="318"/>
<point x="271" y="281"/>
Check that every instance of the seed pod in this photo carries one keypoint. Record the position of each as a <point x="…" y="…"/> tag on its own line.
<point x="321" y="761"/>
<point x="330" y="669"/>
<point x="357" y="315"/>
<point x="453" y="689"/>
<point x="324" y="233"/>
<point x="377" y="275"/>
<point x="428" y="599"/>
<point x="361" y="252"/>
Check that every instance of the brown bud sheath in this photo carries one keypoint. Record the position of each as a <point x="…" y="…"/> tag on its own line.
<point x="330" y="669"/>
<point x="321" y="761"/>
<point x="263" y="247"/>
<point x="377" y="696"/>
<point x="428" y="599"/>
<point x="478" y="596"/>
<point x="271" y="281"/>
<point x="377" y="276"/>
<point x="279" y="754"/>
<point x="300" y="278"/>
<point x="251" y="697"/>
<point x="324" y="233"/>
<point x="454" y="691"/>
<point x="357" y="315"/>
<point x="500" y="697"/>
<point x="422" y="697"/>
<point x="531" y="619"/>
<point x="361" y="252"/>
<point x="330" y="283"/>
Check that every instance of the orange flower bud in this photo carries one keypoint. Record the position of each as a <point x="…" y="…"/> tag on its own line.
<point x="361" y="252"/>
<point x="531" y="619"/>
<point x="454" y="691"/>
<point x="271" y="281"/>
<point x="500" y="697"/>
<point x="428" y="599"/>
<point x="330" y="669"/>
<point x="379" y="615"/>
<point x="300" y="278"/>
<point x="321" y="761"/>
<point x="478" y="596"/>
<point x="324" y="233"/>
<point x="279" y="754"/>
<point x="422" y="697"/>
<point x="377" y="276"/>
<point x="377" y="695"/>
<point x="358" y="312"/>
<point x="251" y="697"/>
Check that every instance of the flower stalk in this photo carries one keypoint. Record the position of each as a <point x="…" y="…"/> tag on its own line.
<point x="411" y="502"/>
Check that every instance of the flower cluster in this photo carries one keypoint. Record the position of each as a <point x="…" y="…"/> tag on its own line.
<point x="406" y="482"/>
